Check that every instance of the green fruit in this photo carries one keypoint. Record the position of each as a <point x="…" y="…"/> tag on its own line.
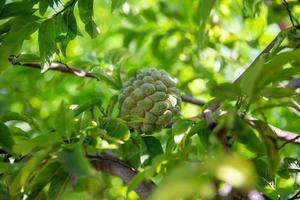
<point x="152" y="96"/>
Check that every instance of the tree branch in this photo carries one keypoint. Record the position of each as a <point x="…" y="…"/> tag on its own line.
<point x="54" y="67"/>
<point x="107" y="163"/>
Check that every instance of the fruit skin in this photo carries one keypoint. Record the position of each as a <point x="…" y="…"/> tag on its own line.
<point x="152" y="96"/>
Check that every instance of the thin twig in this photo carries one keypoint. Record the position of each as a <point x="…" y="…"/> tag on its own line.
<point x="289" y="141"/>
<point x="68" y="5"/>
<point x="192" y="100"/>
<point x="289" y="12"/>
<point x="54" y="67"/>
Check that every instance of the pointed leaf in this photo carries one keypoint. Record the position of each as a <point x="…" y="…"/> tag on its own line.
<point x="42" y="140"/>
<point x="205" y="8"/>
<point x="101" y="75"/>
<point x="92" y="29"/>
<point x="181" y="126"/>
<point x="153" y="146"/>
<point x="116" y="128"/>
<point x="226" y="91"/>
<point x="74" y="161"/>
<point x="6" y="140"/>
<point x="111" y="105"/>
<point x="86" y="10"/>
<point x="64" y="121"/>
<point x="58" y="185"/>
<point x="43" y="178"/>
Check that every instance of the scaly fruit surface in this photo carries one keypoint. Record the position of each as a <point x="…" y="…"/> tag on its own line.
<point x="151" y="95"/>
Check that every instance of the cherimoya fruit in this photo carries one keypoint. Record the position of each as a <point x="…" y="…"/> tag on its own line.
<point x="152" y="96"/>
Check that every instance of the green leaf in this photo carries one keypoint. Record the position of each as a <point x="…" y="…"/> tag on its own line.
<point x="8" y="167"/>
<point x="131" y="151"/>
<point x="48" y="35"/>
<point x="16" y="8"/>
<point x="293" y="37"/>
<point x="226" y="91"/>
<point x="74" y="161"/>
<point x="71" y="30"/>
<point x="2" y="2"/>
<point x="6" y="140"/>
<point x="262" y="73"/>
<point x="70" y="23"/>
<point x="116" y="128"/>
<point x="203" y="132"/>
<point x="4" y="194"/>
<point x="117" y="56"/>
<point x="71" y="195"/>
<point x="268" y="137"/>
<point x="181" y="126"/>
<point x="8" y="116"/>
<point x="153" y="146"/>
<point x="42" y="178"/>
<point x="277" y="92"/>
<point x="203" y="13"/>
<point x="111" y="105"/>
<point x="245" y="135"/>
<point x="64" y="121"/>
<point x="27" y="171"/>
<point x="170" y="146"/>
<point x="86" y="9"/>
<point x="5" y="27"/>
<point x="250" y="7"/>
<point x="58" y="185"/>
<point x="287" y="73"/>
<point x="26" y="58"/>
<point x="92" y="29"/>
<point x="249" y="79"/>
<point x="86" y="15"/>
<point x="115" y="4"/>
<point x="103" y="76"/>
<point x="20" y="29"/>
<point x="146" y="174"/>
<point x="275" y="65"/>
<point x="42" y="140"/>
<point x="43" y="5"/>
<point x="47" y="40"/>
<point x="262" y="169"/>
<point x="96" y="102"/>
